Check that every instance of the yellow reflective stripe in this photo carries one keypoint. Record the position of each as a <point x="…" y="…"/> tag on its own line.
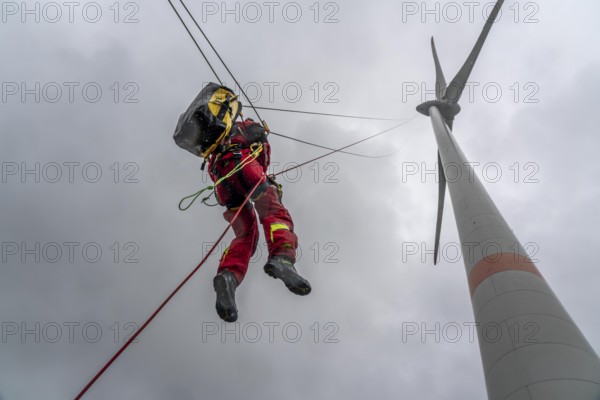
<point x="276" y="227"/>
<point x="225" y="253"/>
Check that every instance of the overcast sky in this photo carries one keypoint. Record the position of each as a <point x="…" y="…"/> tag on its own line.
<point x="92" y="240"/>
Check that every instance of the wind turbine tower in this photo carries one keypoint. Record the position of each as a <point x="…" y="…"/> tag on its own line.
<point x="530" y="347"/>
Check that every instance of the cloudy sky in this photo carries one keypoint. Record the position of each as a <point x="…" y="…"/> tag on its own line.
<point x="92" y="240"/>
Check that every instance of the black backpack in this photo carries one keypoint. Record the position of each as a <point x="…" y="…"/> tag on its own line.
<point x="207" y="120"/>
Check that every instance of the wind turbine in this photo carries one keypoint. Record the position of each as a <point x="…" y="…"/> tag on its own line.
<point x="530" y="347"/>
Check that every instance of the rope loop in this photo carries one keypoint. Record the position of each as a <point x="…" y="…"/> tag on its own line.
<point x="256" y="150"/>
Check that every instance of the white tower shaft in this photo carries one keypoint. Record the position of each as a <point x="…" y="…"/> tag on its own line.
<point x="530" y="347"/>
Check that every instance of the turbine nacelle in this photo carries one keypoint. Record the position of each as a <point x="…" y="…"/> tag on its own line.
<point x="447" y="108"/>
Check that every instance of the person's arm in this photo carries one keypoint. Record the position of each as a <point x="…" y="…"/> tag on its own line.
<point x="256" y="133"/>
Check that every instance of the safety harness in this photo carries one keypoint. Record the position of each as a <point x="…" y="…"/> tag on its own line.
<point x="233" y="153"/>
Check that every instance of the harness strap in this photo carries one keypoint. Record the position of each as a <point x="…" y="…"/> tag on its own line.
<point x="239" y="166"/>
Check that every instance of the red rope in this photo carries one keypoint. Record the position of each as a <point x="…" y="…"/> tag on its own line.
<point x="164" y="303"/>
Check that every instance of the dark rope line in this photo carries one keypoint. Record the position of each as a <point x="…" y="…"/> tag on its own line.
<point x="196" y="43"/>
<point x="328" y="114"/>
<point x="319" y="146"/>
<point x="246" y="96"/>
<point x="345" y="147"/>
<point x="225" y="65"/>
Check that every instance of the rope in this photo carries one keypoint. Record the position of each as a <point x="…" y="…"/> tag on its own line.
<point x="328" y="114"/>
<point x="265" y="108"/>
<point x="252" y="156"/>
<point x="196" y="43"/>
<point x="225" y="65"/>
<point x="164" y="303"/>
<point x="321" y="147"/>
<point x="239" y="167"/>
<point x="345" y="147"/>
<point x="255" y="153"/>
<point x="249" y="158"/>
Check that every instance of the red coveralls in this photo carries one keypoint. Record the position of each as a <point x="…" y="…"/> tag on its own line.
<point x="274" y="217"/>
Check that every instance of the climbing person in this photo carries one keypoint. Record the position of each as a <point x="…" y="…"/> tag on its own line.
<point x="238" y="157"/>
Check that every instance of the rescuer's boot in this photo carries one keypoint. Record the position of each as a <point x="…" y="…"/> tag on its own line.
<point x="225" y="284"/>
<point x="282" y="268"/>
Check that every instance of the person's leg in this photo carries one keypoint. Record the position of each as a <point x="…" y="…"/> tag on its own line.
<point x="234" y="261"/>
<point x="236" y="257"/>
<point x="277" y="225"/>
<point x="282" y="242"/>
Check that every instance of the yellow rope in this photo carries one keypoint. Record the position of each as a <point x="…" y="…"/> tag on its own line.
<point x="247" y="160"/>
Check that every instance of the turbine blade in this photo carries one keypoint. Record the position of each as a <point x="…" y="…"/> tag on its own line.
<point x="456" y="87"/>
<point x="450" y="124"/>
<point x="440" y="211"/>
<point x="440" y="81"/>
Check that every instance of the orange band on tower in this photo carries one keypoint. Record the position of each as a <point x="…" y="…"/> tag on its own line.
<point x="500" y="262"/>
